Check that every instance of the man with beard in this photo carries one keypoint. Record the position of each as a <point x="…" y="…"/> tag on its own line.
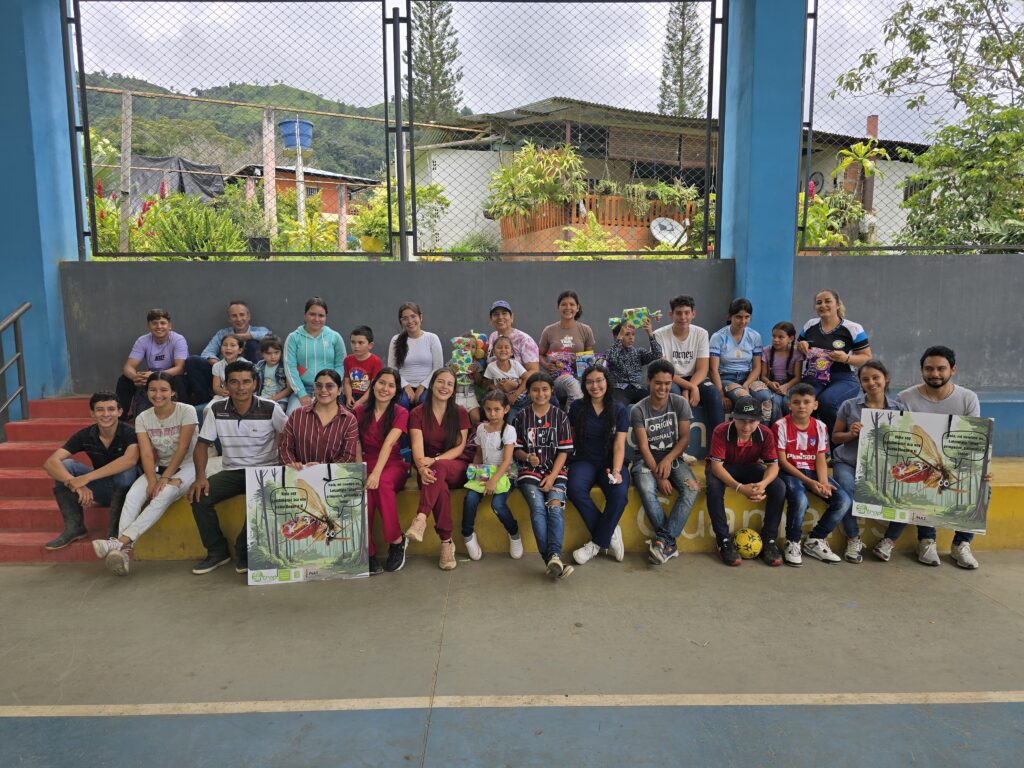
<point x="938" y="394"/>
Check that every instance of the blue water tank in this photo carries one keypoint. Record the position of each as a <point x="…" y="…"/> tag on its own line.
<point x="305" y="129"/>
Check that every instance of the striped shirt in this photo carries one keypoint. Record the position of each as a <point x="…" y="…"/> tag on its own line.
<point x="247" y="439"/>
<point x="306" y="439"/>
<point x="544" y="436"/>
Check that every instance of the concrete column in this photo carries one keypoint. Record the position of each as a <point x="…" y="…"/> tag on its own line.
<point x="39" y="221"/>
<point x="762" y="132"/>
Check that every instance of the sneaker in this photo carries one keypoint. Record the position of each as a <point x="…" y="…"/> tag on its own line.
<point x="820" y="549"/>
<point x="66" y="538"/>
<point x="670" y="550"/>
<point x="727" y="551"/>
<point x="792" y="554"/>
<point x="242" y="566"/>
<point x="883" y="549"/>
<point x="656" y="554"/>
<point x="104" y="546"/>
<point x="396" y="556"/>
<point x="515" y="546"/>
<point x="374" y="566"/>
<point x="419" y="525"/>
<point x="447" y="561"/>
<point x="566" y="571"/>
<point x="118" y="560"/>
<point x="962" y="555"/>
<point x="616" y="548"/>
<point x="688" y="459"/>
<point x="555" y="566"/>
<point x="770" y="554"/>
<point x="210" y="563"/>
<point x="585" y="553"/>
<point x="853" y="550"/>
<point x="927" y="553"/>
<point x="473" y="547"/>
<point x="766" y="411"/>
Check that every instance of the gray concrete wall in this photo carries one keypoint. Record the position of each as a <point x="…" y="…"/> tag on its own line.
<point x="106" y="302"/>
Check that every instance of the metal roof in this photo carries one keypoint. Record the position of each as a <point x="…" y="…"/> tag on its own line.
<point x="251" y="170"/>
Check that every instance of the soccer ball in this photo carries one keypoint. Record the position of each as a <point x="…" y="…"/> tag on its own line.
<point x="748" y="543"/>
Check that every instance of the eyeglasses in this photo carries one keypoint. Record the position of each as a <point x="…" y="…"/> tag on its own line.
<point x="325" y="385"/>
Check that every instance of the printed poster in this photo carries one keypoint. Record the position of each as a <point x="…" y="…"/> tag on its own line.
<point x="306" y="525"/>
<point x="923" y="468"/>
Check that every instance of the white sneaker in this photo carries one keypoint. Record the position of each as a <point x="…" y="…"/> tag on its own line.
<point x="616" y="549"/>
<point x="656" y="555"/>
<point x="962" y="555"/>
<point x="927" y="553"/>
<point x="103" y="546"/>
<point x="883" y="549"/>
<point x="473" y="547"/>
<point x="118" y="561"/>
<point x="688" y="459"/>
<point x="792" y="555"/>
<point x="515" y="546"/>
<point x="853" y="550"/>
<point x="586" y="553"/>
<point x="820" y="549"/>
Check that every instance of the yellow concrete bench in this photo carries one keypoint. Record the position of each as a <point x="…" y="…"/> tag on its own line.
<point x="175" y="536"/>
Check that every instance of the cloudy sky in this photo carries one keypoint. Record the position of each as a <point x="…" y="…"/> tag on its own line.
<point x="510" y="53"/>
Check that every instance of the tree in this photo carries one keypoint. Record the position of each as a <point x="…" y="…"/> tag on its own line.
<point x="435" y="51"/>
<point x="682" y="63"/>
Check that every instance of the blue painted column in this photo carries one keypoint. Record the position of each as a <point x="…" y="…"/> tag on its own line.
<point x="39" y="219"/>
<point x="762" y="130"/>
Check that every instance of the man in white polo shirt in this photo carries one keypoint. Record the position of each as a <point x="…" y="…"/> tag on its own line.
<point x="247" y="428"/>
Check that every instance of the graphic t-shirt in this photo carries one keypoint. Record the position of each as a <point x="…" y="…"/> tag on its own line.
<point x="685" y="353"/>
<point x="514" y="373"/>
<point x="802" y="446"/>
<point x="554" y="338"/>
<point x="661" y="426"/>
<point x="159" y="356"/>
<point x="361" y="372"/>
<point x="544" y="436"/>
<point x="165" y="433"/>
<point x="270" y="384"/>
<point x="847" y="337"/>
<point x="735" y="357"/>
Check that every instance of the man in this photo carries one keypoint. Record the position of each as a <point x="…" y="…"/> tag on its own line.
<point x="199" y="368"/>
<point x="162" y="349"/>
<point x="742" y="456"/>
<point x="113" y="449"/>
<point x="247" y="427"/>
<point x="938" y="394"/>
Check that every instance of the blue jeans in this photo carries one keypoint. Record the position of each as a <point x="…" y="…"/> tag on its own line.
<point x="499" y="504"/>
<point x="710" y="407"/>
<point x="895" y="530"/>
<point x="838" y="505"/>
<point x="780" y="406"/>
<point x="103" y="488"/>
<point x="547" y="516"/>
<point x="760" y="396"/>
<point x="842" y="387"/>
<point x="666" y="531"/>
<point x="846" y="476"/>
<point x="584" y="475"/>
<point x="775" y="496"/>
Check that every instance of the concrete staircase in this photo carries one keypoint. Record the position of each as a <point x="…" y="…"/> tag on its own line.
<point x="28" y="513"/>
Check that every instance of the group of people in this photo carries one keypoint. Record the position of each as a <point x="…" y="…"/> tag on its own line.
<point x="519" y="420"/>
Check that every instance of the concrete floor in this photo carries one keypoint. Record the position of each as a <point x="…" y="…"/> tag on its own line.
<point x="75" y="636"/>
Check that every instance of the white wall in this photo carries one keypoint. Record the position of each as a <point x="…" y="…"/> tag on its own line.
<point x="464" y="174"/>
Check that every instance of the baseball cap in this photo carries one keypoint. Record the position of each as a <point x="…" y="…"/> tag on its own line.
<point x="746" y="408"/>
<point x="501" y="304"/>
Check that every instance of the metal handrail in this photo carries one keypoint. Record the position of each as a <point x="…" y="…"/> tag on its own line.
<point x="18" y="357"/>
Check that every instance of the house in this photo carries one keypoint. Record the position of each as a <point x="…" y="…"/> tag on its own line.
<point x="335" y="189"/>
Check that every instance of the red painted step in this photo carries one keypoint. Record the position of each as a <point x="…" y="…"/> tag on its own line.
<point x="34" y="483"/>
<point x="59" y="408"/>
<point x="27" y="547"/>
<point x="29" y="453"/>
<point x="43" y="515"/>
<point x="44" y="429"/>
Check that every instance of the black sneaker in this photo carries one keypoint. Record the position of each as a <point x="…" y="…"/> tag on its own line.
<point x="66" y="538"/>
<point x="375" y="567"/>
<point x="771" y="555"/>
<point x="396" y="556"/>
<point x="727" y="551"/>
<point x="210" y="563"/>
<point x="241" y="566"/>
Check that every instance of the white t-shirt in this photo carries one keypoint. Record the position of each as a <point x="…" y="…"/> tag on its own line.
<point x="492" y="444"/>
<point x="164" y="433"/>
<point x="683" y="354"/>
<point x="424" y="357"/>
<point x="494" y="373"/>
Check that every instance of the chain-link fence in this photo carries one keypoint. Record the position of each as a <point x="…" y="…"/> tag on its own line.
<point x="914" y="137"/>
<point x="530" y="129"/>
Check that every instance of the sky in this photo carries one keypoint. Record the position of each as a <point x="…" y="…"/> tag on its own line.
<point x="510" y="53"/>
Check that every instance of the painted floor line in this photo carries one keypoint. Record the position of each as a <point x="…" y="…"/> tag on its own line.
<point x="526" y="701"/>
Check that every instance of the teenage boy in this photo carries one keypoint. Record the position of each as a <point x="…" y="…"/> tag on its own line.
<point x="361" y="367"/>
<point x="247" y="427"/>
<point x="938" y="394"/>
<point x="661" y="429"/>
<point x="199" y="368"/>
<point x="113" y="449"/>
<point x="162" y="349"/>
<point x="742" y="457"/>
<point x="803" y="448"/>
<point x="686" y="346"/>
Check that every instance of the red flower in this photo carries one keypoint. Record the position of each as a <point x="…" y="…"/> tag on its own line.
<point x="99" y="188"/>
<point x="810" y="189"/>
<point x="103" y="215"/>
<point x="163" y="189"/>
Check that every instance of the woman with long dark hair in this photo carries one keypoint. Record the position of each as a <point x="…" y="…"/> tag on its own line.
<point x="414" y="353"/>
<point x="323" y="432"/>
<point x="311" y="348"/>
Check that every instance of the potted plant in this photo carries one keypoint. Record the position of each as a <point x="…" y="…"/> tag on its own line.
<point x="369" y="222"/>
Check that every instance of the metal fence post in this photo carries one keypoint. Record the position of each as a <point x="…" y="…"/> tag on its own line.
<point x="396" y="39"/>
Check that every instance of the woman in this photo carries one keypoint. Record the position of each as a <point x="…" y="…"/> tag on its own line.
<point x="561" y="341"/>
<point x="322" y="432"/>
<point x="735" y="363"/>
<point x="524" y="350"/>
<point x="382" y="422"/>
<point x="833" y="346"/>
<point x="167" y="436"/>
<point x="438" y="431"/>
<point x="311" y="347"/>
<point x="600" y="423"/>
<point x="414" y="353"/>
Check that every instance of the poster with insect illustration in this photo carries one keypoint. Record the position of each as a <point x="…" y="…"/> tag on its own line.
<point x="307" y="524"/>
<point x="923" y="468"/>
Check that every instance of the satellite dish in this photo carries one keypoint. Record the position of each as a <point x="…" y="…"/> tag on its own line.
<point x="669" y="231"/>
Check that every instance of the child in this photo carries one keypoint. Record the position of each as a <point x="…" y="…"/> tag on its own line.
<point x="543" y="444"/>
<point x="735" y="364"/>
<point x="231" y="347"/>
<point x="506" y="374"/>
<point x="496" y="441"/>
<point x="271" y="378"/>
<point x="361" y="367"/>
<point x="802" y="442"/>
<point x="626" y="362"/>
<point x="780" y="366"/>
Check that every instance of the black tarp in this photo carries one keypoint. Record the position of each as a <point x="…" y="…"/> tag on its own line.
<point x="180" y="174"/>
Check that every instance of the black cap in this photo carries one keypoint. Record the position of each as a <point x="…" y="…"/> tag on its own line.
<point x="746" y="408"/>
